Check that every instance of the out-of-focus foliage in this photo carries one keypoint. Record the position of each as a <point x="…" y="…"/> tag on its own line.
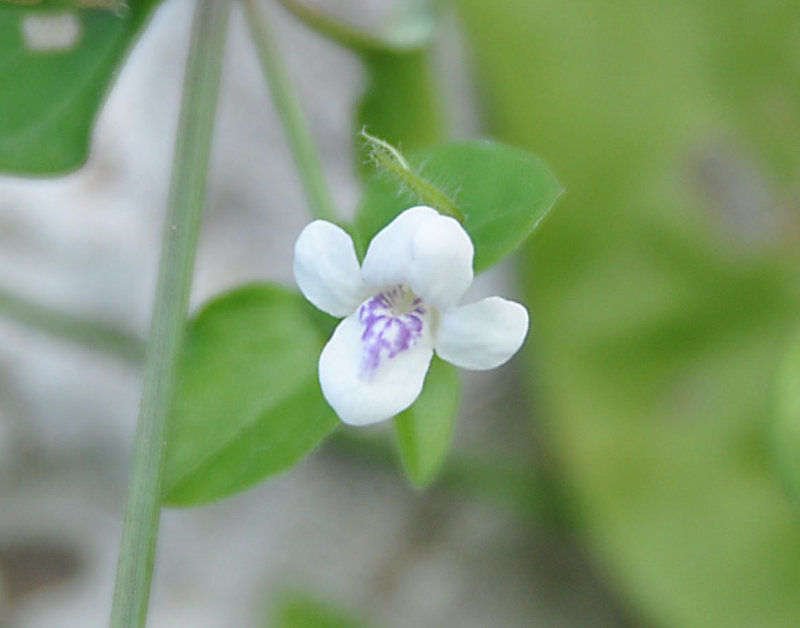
<point x="248" y="403"/>
<point x="503" y="193"/>
<point x="786" y="429"/>
<point x="300" y="610"/>
<point x="400" y="102"/>
<point x="665" y="284"/>
<point x="56" y="65"/>
<point x="399" y="85"/>
<point x="425" y="430"/>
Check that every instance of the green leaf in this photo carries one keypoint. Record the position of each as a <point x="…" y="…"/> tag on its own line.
<point x="425" y="430"/>
<point x="503" y="192"/>
<point x="786" y="420"/>
<point x="248" y="403"/>
<point x="51" y="96"/>
<point x="300" y="610"/>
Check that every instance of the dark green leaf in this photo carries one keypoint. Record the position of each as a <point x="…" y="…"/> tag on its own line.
<point x="504" y="192"/>
<point x="248" y="403"/>
<point x="425" y="430"/>
<point x="786" y="428"/>
<point x="51" y="96"/>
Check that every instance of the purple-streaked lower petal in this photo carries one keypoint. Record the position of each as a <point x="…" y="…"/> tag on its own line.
<point x="326" y="268"/>
<point x="481" y="335"/>
<point x="372" y="367"/>
<point x="421" y="249"/>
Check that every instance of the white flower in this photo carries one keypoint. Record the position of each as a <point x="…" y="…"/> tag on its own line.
<point x="399" y="307"/>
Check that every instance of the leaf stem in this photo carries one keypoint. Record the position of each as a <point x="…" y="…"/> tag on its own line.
<point x="390" y="160"/>
<point x="291" y="114"/>
<point x="184" y="211"/>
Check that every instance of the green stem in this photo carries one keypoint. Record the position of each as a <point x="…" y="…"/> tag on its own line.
<point x="85" y="332"/>
<point x="388" y="159"/>
<point x="184" y="212"/>
<point x="291" y="114"/>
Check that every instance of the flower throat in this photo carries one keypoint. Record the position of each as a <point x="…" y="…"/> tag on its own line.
<point x="393" y="322"/>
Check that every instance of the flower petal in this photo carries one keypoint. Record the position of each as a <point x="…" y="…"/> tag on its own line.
<point x="362" y="393"/>
<point x="421" y="249"/>
<point x="481" y="335"/>
<point x="326" y="268"/>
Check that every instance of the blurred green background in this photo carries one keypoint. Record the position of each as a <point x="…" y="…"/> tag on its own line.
<point x="663" y="286"/>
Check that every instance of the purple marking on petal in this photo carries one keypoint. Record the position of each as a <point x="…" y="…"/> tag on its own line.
<point x="392" y="324"/>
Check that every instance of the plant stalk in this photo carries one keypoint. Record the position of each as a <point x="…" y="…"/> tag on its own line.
<point x="291" y="114"/>
<point x="184" y="212"/>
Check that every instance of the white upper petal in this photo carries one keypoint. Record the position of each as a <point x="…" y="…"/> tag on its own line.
<point x="360" y="396"/>
<point x="481" y="335"/>
<point x="326" y="268"/>
<point x="428" y="252"/>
